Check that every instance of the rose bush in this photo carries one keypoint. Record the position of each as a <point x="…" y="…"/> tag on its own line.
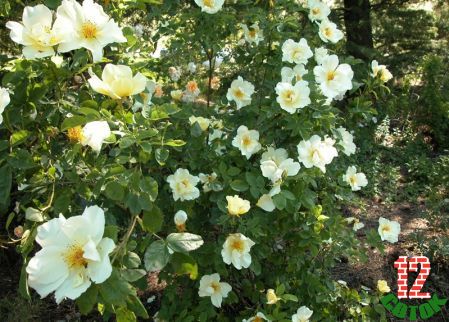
<point x="212" y="151"/>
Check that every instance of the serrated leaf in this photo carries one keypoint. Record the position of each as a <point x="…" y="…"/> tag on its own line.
<point x="184" y="242"/>
<point x="156" y="256"/>
<point x="152" y="220"/>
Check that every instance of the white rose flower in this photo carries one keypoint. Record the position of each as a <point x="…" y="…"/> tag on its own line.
<point x="318" y="10"/>
<point x="176" y="94"/>
<point x="247" y="141"/>
<point x="293" y="74"/>
<point x="86" y="26"/>
<point x="253" y="34"/>
<point x="293" y="97"/>
<point x="320" y="54"/>
<point x="266" y="203"/>
<point x="94" y="133"/>
<point x="347" y="141"/>
<point x="329" y="32"/>
<point x="355" y="179"/>
<point x="236" y="251"/>
<point x="210" y="285"/>
<point x="389" y="230"/>
<point x="258" y="318"/>
<point x="272" y="298"/>
<point x="191" y="92"/>
<point x="237" y="206"/>
<point x="210" y="6"/>
<point x="202" y="122"/>
<point x="358" y="225"/>
<point x="74" y="254"/>
<point x="275" y="164"/>
<point x="296" y="52"/>
<point x="334" y="78"/>
<point x="276" y="155"/>
<point x="4" y="101"/>
<point x="302" y="315"/>
<point x="35" y="32"/>
<point x="385" y="74"/>
<point x="316" y="153"/>
<point x="117" y="82"/>
<point x="207" y="180"/>
<point x="182" y="184"/>
<point x="240" y="92"/>
<point x="191" y="67"/>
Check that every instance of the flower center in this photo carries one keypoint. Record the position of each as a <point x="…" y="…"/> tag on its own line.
<point x="297" y="52"/>
<point x="75" y="134"/>
<point x="386" y="229"/>
<point x="289" y="95"/>
<point x="252" y="33"/>
<point x="257" y="319"/>
<point x="330" y="75"/>
<point x="327" y="32"/>
<point x="74" y="257"/>
<point x="209" y="3"/>
<point x="192" y="86"/>
<point x="215" y="286"/>
<point x="352" y="180"/>
<point x="239" y="93"/>
<point x="315" y="11"/>
<point x="89" y="30"/>
<point x="246" y="140"/>
<point x="237" y="245"/>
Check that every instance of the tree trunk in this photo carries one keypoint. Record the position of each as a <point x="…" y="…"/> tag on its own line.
<point x="358" y="28"/>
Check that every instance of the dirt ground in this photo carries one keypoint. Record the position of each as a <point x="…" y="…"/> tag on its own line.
<point x="380" y="266"/>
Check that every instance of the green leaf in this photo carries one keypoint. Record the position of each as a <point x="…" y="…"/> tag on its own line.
<point x="184" y="264"/>
<point x="156" y="256"/>
<point x="149" y="186"/>
<point x="239" y="185"/>
<point x="161" y="155"/>
<point x="19" y="137"/>
<point x="152" y="220"/>
<point x="90" y="113"/>
<point x="132" y="260"/>
<point x="87" y="300"/>
<point x="135" y="305"/>
<point x="115" y="290"/>
<point x="122" y="314"/>
<point x="114" y="191"/>
<point x="184" y="242"/>
<point x="174" y="143"/>
<point x="21" y="159"/>
<point x="132" y="275"/>
<point x="5" y="184"/>
<point x="73" y="121"/>
<point x="279" y="201"/>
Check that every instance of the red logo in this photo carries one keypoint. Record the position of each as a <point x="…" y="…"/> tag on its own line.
<point x="405" y="265"/>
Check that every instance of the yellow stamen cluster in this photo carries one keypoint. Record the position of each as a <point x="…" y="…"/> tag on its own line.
<point x="75" y="134"/>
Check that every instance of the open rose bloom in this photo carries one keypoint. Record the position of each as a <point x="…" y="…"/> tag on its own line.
<point x="74" y="254"/>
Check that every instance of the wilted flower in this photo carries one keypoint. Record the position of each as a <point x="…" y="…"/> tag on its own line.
<point x="74" y="254"/>
<point x="334" y="78"/>
<point x="180" y="220"/>
<point x="191" y="67"/>
<point x="355" y="179"/>
<point x="253" y="34"/>
<point x="240" y="92"/>
<point x="272" y="297"/>
<point x="302" y="315"/>
<point x="382" y="286"/>
<point x="117" y="82"/>
<point x="296" y="52"/>
<point x="347" y="141"/>
<point x="318" y="10"/>
<point x="86" y="26"/>
<point x="94" y="133"/>
<point x="237" y="206"/>
<point x="174" y="73"/>
<point x="236" y="251"/>
<point x="35" y="32"/>
<point x="182" y="184"/>
<point x="293" y="97"/>
<point x="191" y="92"/>
<point x="215" y="83"/>
<point x="4" y="101"/>
<point x="247" y="141"/>
<point x="381" y="71"/>
<point x="158" y="91"/>
<point x="389" y="230"/>
<point x="328" y="31"/>
<point x="210" y="285"/>
<point x="202" y="122"/>
<point x="316" y="153"/>
<point x="293" y="74"/>
<point x="18" y="231"/>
